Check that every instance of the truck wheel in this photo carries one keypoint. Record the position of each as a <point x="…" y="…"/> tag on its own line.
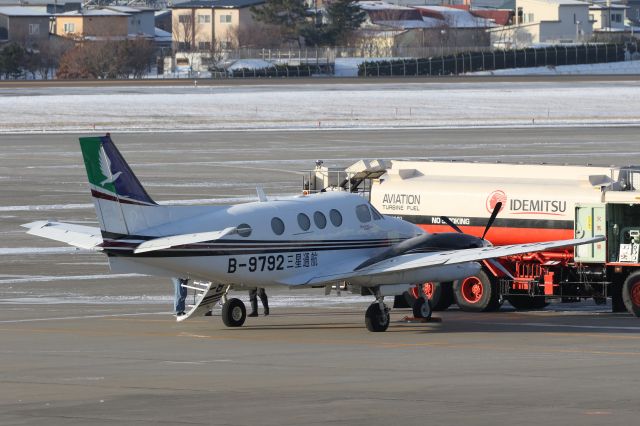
<point x="631" y="293"/>
<point x="617" y="304"/>
<point x="440" y="295"/>
<point x="523" y="303"/>
<point x="404" y="300"/>
<point x="477" y="293"/>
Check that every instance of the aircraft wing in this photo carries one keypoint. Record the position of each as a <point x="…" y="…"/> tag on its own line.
<point x="86" y="237"/>
<point x="415" y="261"/>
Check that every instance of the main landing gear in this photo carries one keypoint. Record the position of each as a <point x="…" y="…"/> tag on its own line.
<point x="422" y="308"/>
<point x="233" y="313"/>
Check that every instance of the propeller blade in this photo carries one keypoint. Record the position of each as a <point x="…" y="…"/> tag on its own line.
<point x="451" y="224"/>
<point x="494" y="214"/>
<point x="501" y="268"/>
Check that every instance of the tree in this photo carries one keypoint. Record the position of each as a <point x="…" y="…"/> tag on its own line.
<point x="12" y="60"/>
<point x="344" y="16"/>
<point x="258" y="35"/>
<point x="140" y="53"/>
<point x="288" y="15"/>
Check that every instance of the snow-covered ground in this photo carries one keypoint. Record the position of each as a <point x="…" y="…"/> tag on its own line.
<point x="370" y="105"/>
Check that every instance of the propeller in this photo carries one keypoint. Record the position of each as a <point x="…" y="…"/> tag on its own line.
<point x="492" y="219"/>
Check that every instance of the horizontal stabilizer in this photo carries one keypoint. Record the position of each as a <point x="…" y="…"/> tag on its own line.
<point x="180" y="240"/>
<point x="86" y="237"/>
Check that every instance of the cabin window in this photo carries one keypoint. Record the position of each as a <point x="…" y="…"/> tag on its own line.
<point x="304" y="222"/>
<point x="184" y="19"/>
<point x="69" y="28"/>
<point x="320" y="220"/>
<point x="204" y="19"/>
<point x="336" y="217"/>
<point x="243" y="230"/>
<point x="34" y="29"/>
<point x="225" y="19"/>
<point x="277" y="226"/>
<point x="376" y="214"/>
<point x="363" y="213"/>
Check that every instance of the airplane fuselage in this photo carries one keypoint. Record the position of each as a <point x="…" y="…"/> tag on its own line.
<point x="279" y="242"/>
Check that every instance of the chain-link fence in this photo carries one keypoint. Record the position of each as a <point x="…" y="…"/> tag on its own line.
<point x="460" y="63"/>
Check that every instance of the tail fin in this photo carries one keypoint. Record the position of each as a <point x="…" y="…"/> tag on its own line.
<point x="121" y="201"/>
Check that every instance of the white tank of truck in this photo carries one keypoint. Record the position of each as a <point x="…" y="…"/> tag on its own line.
<point x="538" y="200"/>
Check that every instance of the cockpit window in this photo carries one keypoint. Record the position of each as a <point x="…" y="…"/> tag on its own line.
<point x="304" y="222"/>
<point x="376" y="214"/>
<point x="243" y="230"/>
<point x="363" y="213"/>
<point x="277" y="225"/>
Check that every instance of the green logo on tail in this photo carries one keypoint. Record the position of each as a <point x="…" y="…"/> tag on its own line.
<point x="98" y="164"/>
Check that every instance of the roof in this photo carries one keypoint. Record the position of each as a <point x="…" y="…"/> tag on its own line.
<point x="613" y="6"/>
<point x="93" y="12"/>
<point x="217" y="4"/>
<point x="454" y="17"/>
<point x="128" y="9"/>
<point x="23" y="11"/>
<point x="380" y="5"/>
<point x="564" y="2"/>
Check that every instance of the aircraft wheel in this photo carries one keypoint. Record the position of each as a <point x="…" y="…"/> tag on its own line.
<point x="376" y="319"/>
<point x="234" y="313"/>
<point x="631" y="293"/>
<point x="440" y="295"/>
<point x="422" y="308"/>
<point x="477" y="293"/>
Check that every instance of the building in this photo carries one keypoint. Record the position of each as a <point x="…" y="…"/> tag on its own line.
<point x="141" y="21"/>
<point x="608" y="17"/>
<point x="92" y="24"/>
<point x="546" y="21"/>
<point x="24" y="24"/>
<point x="204" y="24"/>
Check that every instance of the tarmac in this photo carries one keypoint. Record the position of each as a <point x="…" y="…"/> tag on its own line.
<point x="81" y="347"/>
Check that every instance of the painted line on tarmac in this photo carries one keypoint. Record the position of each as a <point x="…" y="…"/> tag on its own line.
<point x="83" y="317"/>
<point x="588" y="327"/>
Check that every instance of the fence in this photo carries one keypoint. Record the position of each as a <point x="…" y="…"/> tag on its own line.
<point x="460" y="63"/>
<point x="282" y="71"/>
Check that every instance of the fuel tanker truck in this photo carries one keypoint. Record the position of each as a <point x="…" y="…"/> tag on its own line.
<point x="539" y="203"/>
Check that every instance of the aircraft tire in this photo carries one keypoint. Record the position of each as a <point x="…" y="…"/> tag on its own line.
<point x="524" y="302"/>
<point x="477" y="293"/>
<point x="422" y="308"/>
<point x="375" y="319"/>
<point x="631" y="293"/>
<point x="234" y="313"/>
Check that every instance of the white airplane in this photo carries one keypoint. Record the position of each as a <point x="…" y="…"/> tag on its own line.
<point x="305" y="241"/>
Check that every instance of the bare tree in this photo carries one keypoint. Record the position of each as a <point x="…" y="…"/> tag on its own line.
<point x="49" y="53"/>
<point x="258" y="35"/>
<point x="185" y="35"/>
